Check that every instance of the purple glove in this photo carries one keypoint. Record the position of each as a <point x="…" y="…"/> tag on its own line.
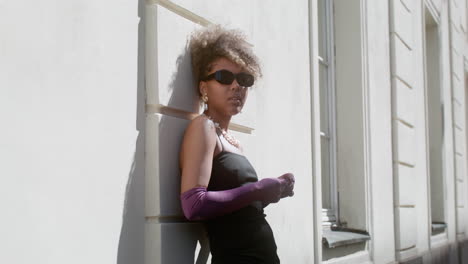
<point x="287" y="184"/>
<point x="199" y="204"/>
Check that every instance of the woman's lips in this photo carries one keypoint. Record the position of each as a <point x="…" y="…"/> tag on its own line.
<point x="236" y="100"/>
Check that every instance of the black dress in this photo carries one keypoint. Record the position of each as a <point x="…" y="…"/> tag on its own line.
<point x="244" y="236"/>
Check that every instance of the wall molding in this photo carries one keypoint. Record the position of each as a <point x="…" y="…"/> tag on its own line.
<point x="405" y="6"/>
<point x="181" y="11"/>
<point x="406" y="123"/>
<point x="431" y="7"/>
<point x="406" y="254"/>
<point x="405" y="206"/>
<point x="182" y="114"/>
<point x="403" y="163"/>
<point x="402" y="40"/>
<point x="393" y="75"/>
<point x="455" y="100"/>
<point x="456" y="76"/>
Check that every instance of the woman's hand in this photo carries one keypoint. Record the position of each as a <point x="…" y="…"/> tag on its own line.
<point x="287" y="184"/>
<point x="286" y="187"/>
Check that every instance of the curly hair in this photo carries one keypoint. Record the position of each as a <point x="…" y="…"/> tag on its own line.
<point x="213" y="42"/>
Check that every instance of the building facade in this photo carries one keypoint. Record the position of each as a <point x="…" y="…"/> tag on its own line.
<point x="365" y="101"/>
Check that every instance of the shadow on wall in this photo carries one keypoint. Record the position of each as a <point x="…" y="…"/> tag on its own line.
<point x="181" y="241"/>
<point x="187" y="240"/>
<point x="132" y="240"/>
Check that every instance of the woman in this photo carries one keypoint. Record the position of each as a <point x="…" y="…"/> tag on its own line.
<point x="219" y="185"/>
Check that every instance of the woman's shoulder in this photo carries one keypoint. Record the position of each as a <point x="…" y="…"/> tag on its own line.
<point x="201" y="126"/>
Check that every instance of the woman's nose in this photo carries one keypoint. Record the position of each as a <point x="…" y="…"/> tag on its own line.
<point x="235" y="85"/>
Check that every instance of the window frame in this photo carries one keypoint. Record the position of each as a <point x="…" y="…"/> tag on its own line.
<point x="329" y="215"/>
<point x="432" y="23"/>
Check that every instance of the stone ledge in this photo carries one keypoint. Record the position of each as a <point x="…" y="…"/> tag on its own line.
<point x="336" y="237"/>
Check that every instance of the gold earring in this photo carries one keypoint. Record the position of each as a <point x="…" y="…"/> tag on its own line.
<point x="205" y="102"/>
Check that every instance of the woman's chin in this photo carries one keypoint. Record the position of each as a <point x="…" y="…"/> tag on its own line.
<point x="236" y="110"/>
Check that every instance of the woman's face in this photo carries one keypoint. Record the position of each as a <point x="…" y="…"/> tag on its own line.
<point x="224" y="99"/>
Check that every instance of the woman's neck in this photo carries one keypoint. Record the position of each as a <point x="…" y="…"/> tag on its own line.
<point x="222" y="120"/>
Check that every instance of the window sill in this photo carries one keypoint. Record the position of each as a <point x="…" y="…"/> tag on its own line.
<point x="361" y="257"/>
<point x="438" y="227"/>
<point x="340" y="236"/>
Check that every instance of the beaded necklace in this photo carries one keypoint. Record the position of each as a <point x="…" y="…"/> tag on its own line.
<point x="231" y="139"/>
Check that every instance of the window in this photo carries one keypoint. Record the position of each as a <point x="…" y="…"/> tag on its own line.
<point x="327" y="113"/>
<point x="435" y="119"/>
<point x="342" y="89"/>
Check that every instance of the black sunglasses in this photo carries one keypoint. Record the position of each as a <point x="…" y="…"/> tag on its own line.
<point x="227" y="77"/>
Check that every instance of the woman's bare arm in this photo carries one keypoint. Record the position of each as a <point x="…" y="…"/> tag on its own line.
<point x="196" y="155"/>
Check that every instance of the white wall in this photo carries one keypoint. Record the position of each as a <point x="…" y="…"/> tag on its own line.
<point x="276" y="119"/>
<point x="71" y="143"/>
<point x="458" y="48"/>
<point x="381" y="205"/>
<point x="403" y="123"/>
